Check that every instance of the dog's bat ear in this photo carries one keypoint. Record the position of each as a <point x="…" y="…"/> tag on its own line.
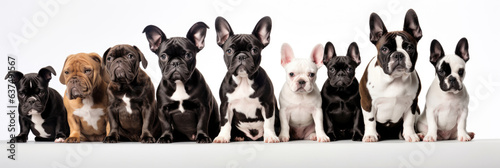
<point x="462" y="49"/>
<point x="15" y="77"/>
<point x="286" y="54"/>
<point x="46" y="72"/>
<point x="353" y="53"/>
<point x="197" y="34"/>
<point x="317" y="55"/>
<point x="437" y="52"/>
<point x="155" y="37"/>
<point x="102" y="68"/>
<point x="411" y="25"/>
<point x="141" y="56"/>
<point x="223" y="30"/>
<point x="62" y="79"/>
<point x="105" y="56"/>
<point x="263" y="30"/>
<point x="329" y="53"/>
<point x="377" y="28"/>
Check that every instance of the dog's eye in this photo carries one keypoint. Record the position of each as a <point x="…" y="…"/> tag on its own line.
<point x="461" y="72"/>
<point x="254" y="50"/>
<point x="291" y="74"/>
<point x="130" y="56"/>
<point x="349" y="69"/>
<point x="441" y="72"/>
<point x="409" y="47"/>
<point x="384" y="49"/>
<point x="109" y="58"/>
<point x="41" y="93"/>
<point x="311" y="75"/>
<point x="229" y="51"/>
<point x="66" y="72"/>
<point x="332" y="69"/>
<point x="163" y="56"/>
<point x="87" y="71"/>
<point x="188" y="56"/>
<point x="20" y="95"/>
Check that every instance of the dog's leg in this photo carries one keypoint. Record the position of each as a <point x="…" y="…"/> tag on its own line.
<point x="285" y="127"/>
<point x="318" y="121"/>
<point x="202" y="126"/>
<point x="225" y="131"/>
<point x="409" y="127"/>
<point x="431" y="135"/>
<point x="463" y="135"/>
<point x="269" y="133"/>
<point x="371" y="134"/>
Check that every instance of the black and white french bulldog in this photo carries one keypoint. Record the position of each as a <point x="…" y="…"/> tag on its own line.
<point x="446" y="108"/>
<point x="390" y="85"/>
<point x="340" y="96"/>
<point x="248" y="105"/>
<point x="41" y="108"/>
<point x="132" y="105"/>
<point x="187" y="109"/>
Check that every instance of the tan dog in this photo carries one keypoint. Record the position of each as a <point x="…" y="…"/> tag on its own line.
<point x="85" y="98"/>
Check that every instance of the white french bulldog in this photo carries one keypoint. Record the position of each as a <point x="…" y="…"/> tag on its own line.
<point x="446" y="108"/>
<point x="301" y="115"/>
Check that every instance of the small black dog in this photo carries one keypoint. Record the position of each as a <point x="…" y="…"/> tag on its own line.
<point x="41" y="108"/>
<point x="340" y="95"/>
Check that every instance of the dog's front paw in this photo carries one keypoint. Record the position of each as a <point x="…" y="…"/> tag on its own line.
<point x="222" y="139"/>
<point x="21" y="138"/>
<point x="464" y="137"/>
<point x="59" y="140"/>
<point x="332" y="136"/>
<point x="110" y="139"/>
<point x="370" y="137"/>
<point x="72" y="140"/>
<point x="165" y="139"/>
<point x="284" y="138"/>
<point x="202" y="138"/>
<point x="430" y="138"/>
<point x="322" y="138"/>
<point x="411" y="137"/>
<point x="271" y="139"/>
<point x="148" y="139"/>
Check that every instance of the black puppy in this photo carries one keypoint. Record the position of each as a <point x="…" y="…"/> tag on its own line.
<point x="340" y="95"/>
<point x="41" y="108"/>
<point x="248" y="105"/>
<point x="132" y="106"/>
<point x="187" y="108"/>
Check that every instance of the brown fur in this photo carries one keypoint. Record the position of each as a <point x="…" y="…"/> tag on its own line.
<point x="96" y="83"/>
<point x="366" y="99"/>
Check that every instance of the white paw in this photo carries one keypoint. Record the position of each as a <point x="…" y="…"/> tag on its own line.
<point x="222" y="139"/>
<point x="284" y="138"/>
<point x="312" y="136"/>
<point x="370" y="136"/>
<point x="464" y="137"/>
<point x="411" y="137"/>
<point x="59" y="140"/>
<point x="271" y="139"/>
<point x="323" y="138"/>
<point x="430" y="138"/>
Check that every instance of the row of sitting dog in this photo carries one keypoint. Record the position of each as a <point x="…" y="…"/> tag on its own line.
<point x="112" y="99"/>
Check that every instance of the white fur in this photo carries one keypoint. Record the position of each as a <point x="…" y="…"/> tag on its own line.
<point x="180" y="94"/>
<point x="392" y="98"/>
<point x="89" y="114"/>
<point x="37" y="120"/>
<point x="300" y="108"/>
<point x="408" y="63"/>
<point x="126" y="100"/>
<point x="446" y="111"/>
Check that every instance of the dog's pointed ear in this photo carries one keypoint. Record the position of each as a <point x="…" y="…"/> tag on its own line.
<point x="462" y="49"/>
<point x="105" y="57"/>
<point x="263" y="30"/>
<point x="15" y="77"/>
<point x="377" y="28"/>
<point x="329" y="53"/>
<point x="46" y="72"/>
<point x="155" y="37"/>
<point x="102" y="70"/>
<point x="223" y="30"/>
<point x="197" y="34"/>
<point x="141" y="56"/>
<point x="353" y="53"/>
<point x="62" y="79"/>
<point x="317" y="55"/>
<point x="437" y="52"/>
<point x="286" y="54"/>
<point x="411" y="25"/>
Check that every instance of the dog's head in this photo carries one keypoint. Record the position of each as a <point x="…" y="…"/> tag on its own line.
<point x="122" y="63"/>
<point x="301" y="72"/>
<point x="397" y="51"/>
<point x="81" y="73"/>
<point x="450" y="69"/>
<point x="341" y="69"/>
<point x="32" y="89"/>
<point x="242" y="52"/>
<point x="177" y="55"/>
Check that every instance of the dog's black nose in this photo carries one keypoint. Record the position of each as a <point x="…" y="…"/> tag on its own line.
<point x="175" y="62"/>
<point x="399" y="56"/>
<point x="452" y="79"/>
<point x="31" y="100"/>
<point x="242" y="57"/>
<point x="302" y="82"/>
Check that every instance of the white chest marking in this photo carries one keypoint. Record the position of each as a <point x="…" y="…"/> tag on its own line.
<point x="180" y="94"/>
<point x="89" y="114"/>
<point x="240" y="99"/>
<point x="126" y="100"/>
<point x="37" y="119"/>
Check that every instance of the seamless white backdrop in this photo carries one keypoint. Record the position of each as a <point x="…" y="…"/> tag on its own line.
<point x="49" y="30"/>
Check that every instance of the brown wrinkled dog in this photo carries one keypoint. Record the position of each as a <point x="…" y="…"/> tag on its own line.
<point x="85" y="98"/>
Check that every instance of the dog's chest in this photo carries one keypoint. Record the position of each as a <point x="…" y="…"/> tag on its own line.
<point x="37" y="123"/>
<point x="89" y="114"/>
<point x="447" y="107"/>
<point x="240" y="100"/>
<point x="180" y="95"/>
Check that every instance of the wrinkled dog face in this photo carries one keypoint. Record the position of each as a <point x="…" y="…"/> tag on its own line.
<point x="450" y="69"/>
<point x="341" y="69"/>
<point x="242" y="52"/>
<point x="32" y="89"/>
<point x="301" y="72"/>
<point x="80" y="72"/>
<point x="177" y="55"/>
<point x="122" y="62"/>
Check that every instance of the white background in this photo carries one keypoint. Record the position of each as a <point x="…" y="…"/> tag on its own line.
<point x="73" y="26"/>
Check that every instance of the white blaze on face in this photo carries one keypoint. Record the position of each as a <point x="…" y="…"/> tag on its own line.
<point x="399" y="43"/>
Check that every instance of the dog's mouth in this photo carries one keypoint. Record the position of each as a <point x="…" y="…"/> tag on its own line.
<point x="341" y="82"/>
<point x="76" y="92"/>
